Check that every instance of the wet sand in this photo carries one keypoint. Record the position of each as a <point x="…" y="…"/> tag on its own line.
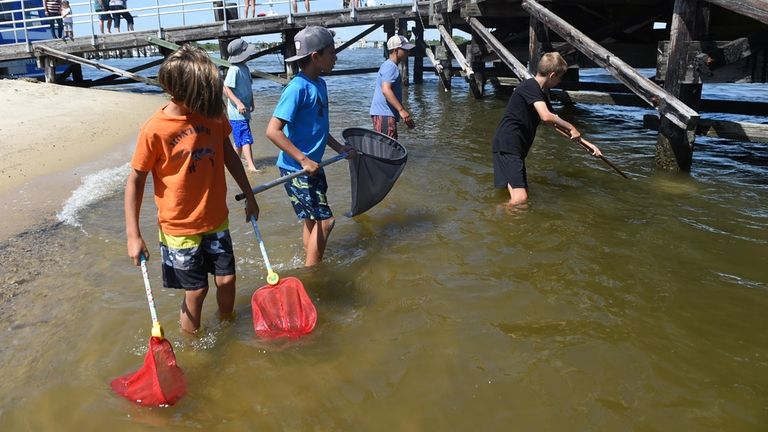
<point x="51" y="137"/>
<point x="54" y="135"/>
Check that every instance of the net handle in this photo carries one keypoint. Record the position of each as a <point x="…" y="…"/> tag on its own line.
<point x="272" y="277"/>
<point x="157" y="330"/>
<point x="285" y="178"/>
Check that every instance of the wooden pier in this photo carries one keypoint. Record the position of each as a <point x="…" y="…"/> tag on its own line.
<point x="688" y="42"/>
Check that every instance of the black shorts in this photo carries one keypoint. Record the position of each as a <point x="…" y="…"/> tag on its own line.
<point x="509" y="169"/>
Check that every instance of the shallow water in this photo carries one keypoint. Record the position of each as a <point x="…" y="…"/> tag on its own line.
<point x="606" y="304"/>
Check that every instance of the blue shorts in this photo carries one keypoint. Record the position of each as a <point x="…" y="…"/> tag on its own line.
<point x="307" y="194"/>
<point x="187" y="260"/>
<point x="241" y="132"/>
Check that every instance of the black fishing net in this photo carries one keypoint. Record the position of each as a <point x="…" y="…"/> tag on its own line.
<point x="375" y="170"/>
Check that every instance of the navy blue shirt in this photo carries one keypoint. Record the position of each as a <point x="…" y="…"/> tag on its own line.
<point x="517" y="128"/>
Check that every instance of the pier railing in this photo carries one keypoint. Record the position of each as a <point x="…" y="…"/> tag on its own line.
<point x="150" y="14"/>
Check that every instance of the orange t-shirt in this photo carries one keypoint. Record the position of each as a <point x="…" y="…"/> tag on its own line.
<point x="186" y="157"/>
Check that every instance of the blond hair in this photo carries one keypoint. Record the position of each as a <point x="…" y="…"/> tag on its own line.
<point x="192" y="79"/>
<point x="552" y="62"/>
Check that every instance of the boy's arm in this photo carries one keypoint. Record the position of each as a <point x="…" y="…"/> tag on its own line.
<point x="551" y="118"/>
<point x="235" y="168"/>
<point x="341" y="148"/>
<point x="386" y="90"/>
<point x="277" y="136"/>
<point x="238" y="103"/>
<point x="134" y="194"/>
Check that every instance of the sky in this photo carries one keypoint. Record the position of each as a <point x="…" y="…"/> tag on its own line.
<point x="198" y="12"/>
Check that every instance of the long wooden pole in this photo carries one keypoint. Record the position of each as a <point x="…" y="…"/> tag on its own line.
<point x="585" y="144"/>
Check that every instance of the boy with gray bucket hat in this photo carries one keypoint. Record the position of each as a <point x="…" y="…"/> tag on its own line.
<point x="300" y="127"/>
<point x="237" y="88"/>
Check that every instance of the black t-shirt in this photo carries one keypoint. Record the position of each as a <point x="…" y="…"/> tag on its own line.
<point x="518" y="125"/>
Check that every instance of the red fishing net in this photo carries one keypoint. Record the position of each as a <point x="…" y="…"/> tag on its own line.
<point x="283" y="310"/>
<point x="159" y="381"/>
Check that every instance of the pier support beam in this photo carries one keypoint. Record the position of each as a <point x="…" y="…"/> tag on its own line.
<point x="466" y="70"/>
<point x="538" y="43"/>
<point x="674" y="145"/>
<point x="402" y="29"/>
<point x="418" y="53"/>
<point x="289" y="50"/>
<point x="475" y="58"/>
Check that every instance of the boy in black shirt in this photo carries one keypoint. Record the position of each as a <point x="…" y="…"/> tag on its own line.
<point x="528" y="105"/>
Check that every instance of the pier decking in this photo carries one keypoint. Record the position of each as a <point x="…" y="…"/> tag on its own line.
<point x="689" y="42"/>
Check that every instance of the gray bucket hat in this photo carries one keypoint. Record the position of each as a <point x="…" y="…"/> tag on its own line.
<point x="239" y="50"/>
<point x="311" y="39"/>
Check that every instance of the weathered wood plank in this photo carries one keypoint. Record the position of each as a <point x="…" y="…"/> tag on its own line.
<point x="451" y="45"/>
<point x="435" y="63"/>
<point x="50" y="52"/>
<point x="363" y="34"/>
<point x="511" y="61"/>
<point x="667" y="104"/>
<point x="219" y="62"/>
<point x="737" y="131"/>
<point x="757" y="9"/>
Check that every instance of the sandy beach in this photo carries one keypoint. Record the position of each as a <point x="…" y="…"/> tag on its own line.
<point x="51" y="136"/>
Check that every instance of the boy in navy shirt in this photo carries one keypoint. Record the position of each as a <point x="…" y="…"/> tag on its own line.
<point x="528" y="105"/>
<point x="300" y="127"/>
<point x="387" y="104"/>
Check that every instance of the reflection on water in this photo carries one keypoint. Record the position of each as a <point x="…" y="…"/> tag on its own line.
<point x="607" y="304"/>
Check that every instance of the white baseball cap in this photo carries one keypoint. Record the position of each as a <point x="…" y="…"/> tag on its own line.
<point x="398" y="41"/>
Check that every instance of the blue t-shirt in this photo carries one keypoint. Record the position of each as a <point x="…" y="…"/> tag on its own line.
<point x="388" y="72"/>
<point x="239" y="80"/>
<point x="303" y="105"/>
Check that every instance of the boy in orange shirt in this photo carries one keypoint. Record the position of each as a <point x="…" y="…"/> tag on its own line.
<point x="185" y="145"/>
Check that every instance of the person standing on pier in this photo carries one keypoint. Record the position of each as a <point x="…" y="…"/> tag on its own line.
<point x="239" y="92"/>
<point x="102" y="8"/>
<point x="300" y="128"/>
<point x="66" y="16"/>
<point x="185" y="145"/>
<point x="387" y="104"/>
<point x="296" y="6"/>
<point x="118" y="10"/>
<point x="527" y="107"/>
<point x="53" y="12"/>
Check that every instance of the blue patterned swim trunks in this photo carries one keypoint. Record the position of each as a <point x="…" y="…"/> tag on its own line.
<point x="308" y="195"/>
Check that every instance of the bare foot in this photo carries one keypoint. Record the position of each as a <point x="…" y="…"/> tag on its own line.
<point x="253" y="169"/>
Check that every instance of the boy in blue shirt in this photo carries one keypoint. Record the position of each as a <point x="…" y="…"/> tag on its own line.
<point x="387" y="104"/>
<point x="300" y="127"/>
<point x="237" y="87"/>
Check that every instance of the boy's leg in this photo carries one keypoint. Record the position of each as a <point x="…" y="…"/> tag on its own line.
<point x="249" y="158"/>
<point x="243" y="139"/>
<point x="220" y="260"/>
<point x="509" y="172"/>
<point x="191" y="309"/>
<point x="316" y="238"/>
<point x="307" y="194"/>
<point x="517" y="195"/>
<point x="225" y="295"/>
